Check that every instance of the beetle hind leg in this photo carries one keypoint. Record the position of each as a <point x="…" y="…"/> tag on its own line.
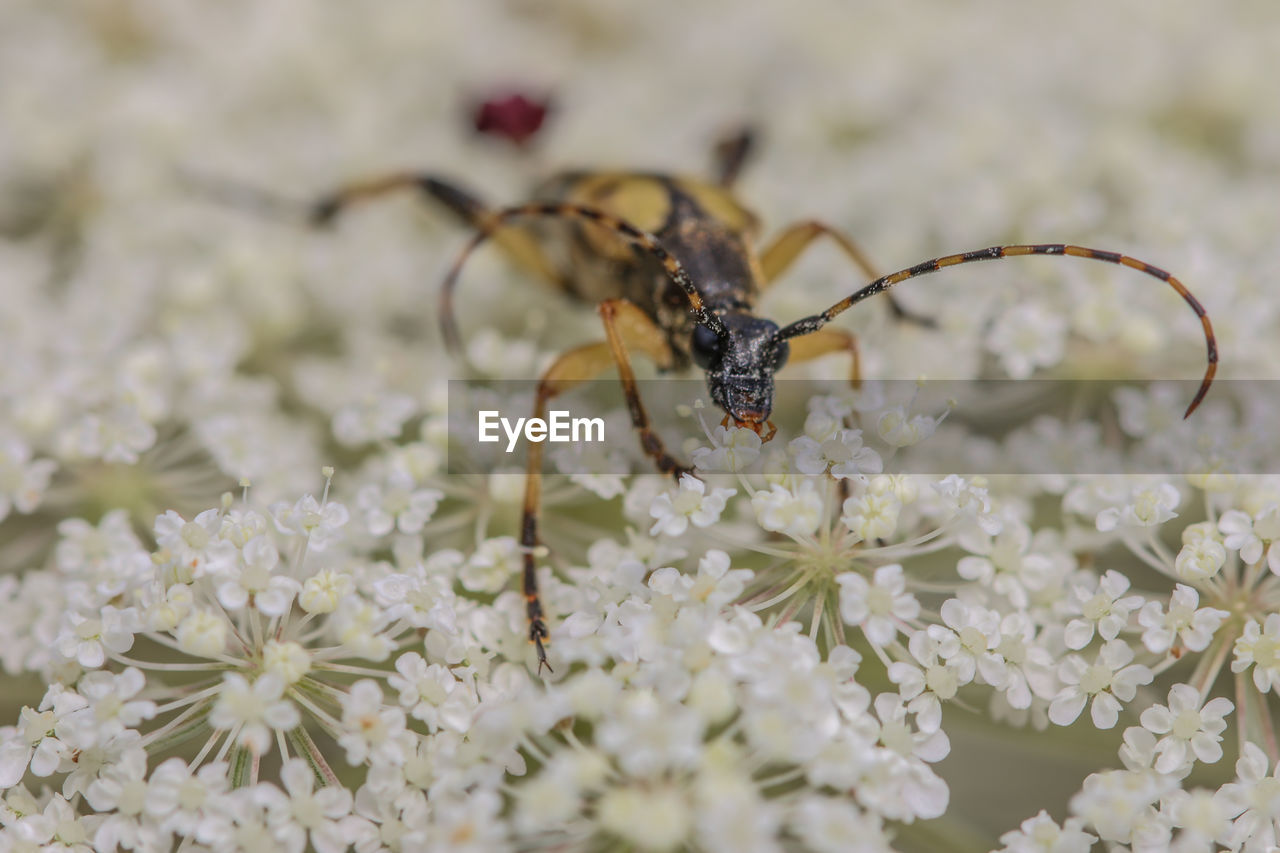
<point x="731" y="153"/>
<point x="326" y="209"/>
<point x="519" y="244"/>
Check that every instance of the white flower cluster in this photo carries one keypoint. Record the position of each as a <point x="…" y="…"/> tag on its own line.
<point x="207" y="647"/>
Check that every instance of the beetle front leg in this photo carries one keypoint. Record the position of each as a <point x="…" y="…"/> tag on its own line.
<point x="824" y="342"/>
<point x="625" y="325"/>
<point x="778" y="257"/>
<point x="572" y="368"/>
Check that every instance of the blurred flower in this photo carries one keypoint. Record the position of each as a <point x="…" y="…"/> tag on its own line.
<point x="514" y="117"/>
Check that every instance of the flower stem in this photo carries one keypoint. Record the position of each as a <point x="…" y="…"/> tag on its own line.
<point x="306" y="747"/>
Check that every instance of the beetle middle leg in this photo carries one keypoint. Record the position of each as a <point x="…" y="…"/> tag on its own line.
<point x="778" y="257"/>
<point x="626" y="328"/>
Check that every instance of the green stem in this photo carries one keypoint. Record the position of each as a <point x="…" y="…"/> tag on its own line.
<point x="1210" y="665"/>
<point x="306" y="747"/>
<point x="241" y="759"/>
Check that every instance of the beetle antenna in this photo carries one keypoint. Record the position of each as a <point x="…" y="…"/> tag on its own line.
<point x="817" y="321"/>
<point x="646" y="241"/>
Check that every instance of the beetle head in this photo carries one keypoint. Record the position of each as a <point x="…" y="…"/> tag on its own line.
<point x="740" y="366"/>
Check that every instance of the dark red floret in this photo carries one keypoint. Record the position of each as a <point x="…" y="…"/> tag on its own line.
<point x="513" y="117"/>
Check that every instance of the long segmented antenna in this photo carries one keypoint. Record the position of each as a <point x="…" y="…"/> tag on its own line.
<point x="817" y="321"/>
<point x="629" y="232"/>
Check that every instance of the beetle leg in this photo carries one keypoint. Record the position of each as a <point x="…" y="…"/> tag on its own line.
<point x="778" y="257"/>
<point x="519" y="244"/>
<point x="572" y="368"/>
<point x="731" y="153"/>
<point x="826" y="341"/>
<point x="627" y="327"/>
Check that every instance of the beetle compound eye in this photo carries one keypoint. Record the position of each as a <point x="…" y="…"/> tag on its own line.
<point x="781" y="352"/>
<point x="706" y="347"/>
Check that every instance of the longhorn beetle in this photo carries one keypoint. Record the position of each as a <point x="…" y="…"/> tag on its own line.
<point x="673" y="266"/>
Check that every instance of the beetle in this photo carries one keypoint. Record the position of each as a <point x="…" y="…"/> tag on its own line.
<point x="672" y="264"/>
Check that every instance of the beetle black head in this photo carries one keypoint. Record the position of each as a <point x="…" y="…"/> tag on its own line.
<point x="740" y="365"/>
